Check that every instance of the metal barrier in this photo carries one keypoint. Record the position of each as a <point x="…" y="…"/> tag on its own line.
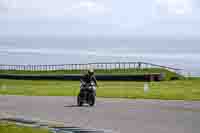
<point x="144" y="77"/>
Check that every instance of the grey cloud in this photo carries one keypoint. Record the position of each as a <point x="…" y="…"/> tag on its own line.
<point x="3" y="6"/>
<point x="88" y="17"/>
<point x="53" y="8"/>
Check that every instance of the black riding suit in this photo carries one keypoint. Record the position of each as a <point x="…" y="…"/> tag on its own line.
<point x="87" y="78"/>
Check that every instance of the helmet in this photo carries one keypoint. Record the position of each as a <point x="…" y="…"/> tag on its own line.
<point x="91" y="72"/>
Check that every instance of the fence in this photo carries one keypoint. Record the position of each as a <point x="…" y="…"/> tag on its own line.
<point x="96" y="66"/>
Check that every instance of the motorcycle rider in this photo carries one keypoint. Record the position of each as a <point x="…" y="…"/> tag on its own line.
<point x="89" y="77"/>
<point x="88" y="86"/>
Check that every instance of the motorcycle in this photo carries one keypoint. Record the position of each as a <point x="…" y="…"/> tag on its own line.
<point x="87" y="93"/>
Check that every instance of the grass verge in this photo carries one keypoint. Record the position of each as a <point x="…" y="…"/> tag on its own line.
<point x="12" y="128"/>
<point x="169" y="90"/>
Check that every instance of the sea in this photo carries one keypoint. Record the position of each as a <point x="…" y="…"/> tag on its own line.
<point x="178" y="53"/>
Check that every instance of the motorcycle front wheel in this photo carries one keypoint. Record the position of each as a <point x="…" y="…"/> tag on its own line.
<point x="92" y="100"/>
<point x="79" y="100"/>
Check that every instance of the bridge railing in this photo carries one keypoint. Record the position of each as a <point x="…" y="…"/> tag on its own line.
<point x="98" y="66"/>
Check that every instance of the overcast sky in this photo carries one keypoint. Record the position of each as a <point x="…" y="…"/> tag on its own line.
<point x="100" y="17"/>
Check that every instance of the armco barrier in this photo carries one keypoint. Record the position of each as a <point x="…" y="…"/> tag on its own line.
<point x="145" y="77"/>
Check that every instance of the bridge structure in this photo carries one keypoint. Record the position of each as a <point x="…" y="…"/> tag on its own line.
<point x="97" y="66"/>
<point x="104" y="66"/>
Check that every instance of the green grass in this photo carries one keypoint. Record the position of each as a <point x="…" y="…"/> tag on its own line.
<point x="12" y="128"/>
<point x="167" y="73"/>
<point x="170" y="90"/>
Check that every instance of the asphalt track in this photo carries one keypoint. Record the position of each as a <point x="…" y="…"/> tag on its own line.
<point x="116" y="115"/>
